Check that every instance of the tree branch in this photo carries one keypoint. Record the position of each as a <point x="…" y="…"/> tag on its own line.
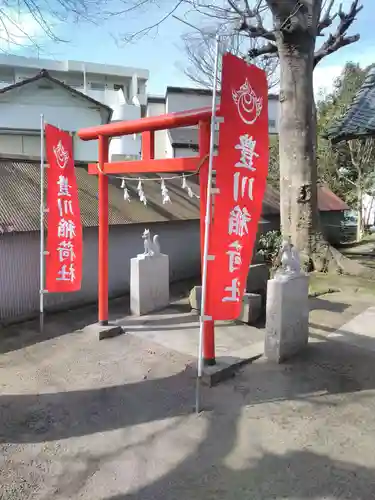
<point x="266" y="49"/>
<point x="251" y="21"/>
<point x="326" y="20"/>
<point x="337" y="39"/>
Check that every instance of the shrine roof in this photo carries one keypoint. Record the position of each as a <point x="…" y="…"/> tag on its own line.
<point x="359" y="119"/>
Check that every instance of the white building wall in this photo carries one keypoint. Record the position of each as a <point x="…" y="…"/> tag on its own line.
<point x="27" y="116"/>
<point x="128" y="145"/>
<point x="180" y="101"/>
<point x="162" y="143"/>
<point x="20" y="111"/>
<point x="121" y="88"/>
<point x="134" y="80"/>
<point x="15" y="145"/>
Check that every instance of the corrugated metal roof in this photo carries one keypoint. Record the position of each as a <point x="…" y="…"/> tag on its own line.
<point x="20" y="192"/>
<point x="359" y="119"/>
<point x="329" y="201"/>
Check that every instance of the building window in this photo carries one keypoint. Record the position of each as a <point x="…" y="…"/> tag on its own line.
<point x="97" y="86"/>
<point x="272" y="123"/>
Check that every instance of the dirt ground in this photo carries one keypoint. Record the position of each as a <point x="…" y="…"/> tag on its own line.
<point x="114" y="420"/>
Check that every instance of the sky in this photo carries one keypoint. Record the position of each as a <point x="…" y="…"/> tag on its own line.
<point x="160" y="51"/>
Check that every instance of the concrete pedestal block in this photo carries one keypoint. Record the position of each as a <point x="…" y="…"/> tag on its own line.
<point x="251" y="308"/>
<point x="287" y="316"/>
<point x="149" y="283"/>
<point x="251" y="305"/>
<point x="195" y="298"/>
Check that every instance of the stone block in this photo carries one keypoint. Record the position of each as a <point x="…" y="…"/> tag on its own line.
<point x="257" y="279"/>
<point x="195" y="298"/>
<point x="149" y="283"/>
<point x="251" y="308"/>
<point x="104" y="331"/>
<point x="251" y="305"/>
<point x="287" y="316"/>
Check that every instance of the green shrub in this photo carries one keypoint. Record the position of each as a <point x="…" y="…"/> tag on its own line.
<point x="269" y="245"/>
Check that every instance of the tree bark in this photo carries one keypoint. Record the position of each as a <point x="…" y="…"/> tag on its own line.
<point x="297" y="132"/>
<point x="297" y="25"/>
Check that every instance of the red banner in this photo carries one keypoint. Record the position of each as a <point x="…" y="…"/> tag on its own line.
<point x="241" y="174"/>
<point x="64" y="237"/>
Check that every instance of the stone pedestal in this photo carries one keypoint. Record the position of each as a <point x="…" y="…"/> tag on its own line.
<point x="251" y="308"/>
<point x="287" y="320"/>
<point x="149" y="283"/>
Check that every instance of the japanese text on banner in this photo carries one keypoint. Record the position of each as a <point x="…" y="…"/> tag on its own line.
<point x="64" y="238"/>
<point x="241" y="173"/>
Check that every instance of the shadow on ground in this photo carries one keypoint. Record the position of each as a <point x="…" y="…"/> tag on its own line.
<point x="45" y="417"/>
<point x="325" y="367"/>
<point x="299" y="475"/>
<point x="316" y="303"/>
<point x="206" y="473"/>
<point x="295" y="475"/>
<point x="20" y="335"/>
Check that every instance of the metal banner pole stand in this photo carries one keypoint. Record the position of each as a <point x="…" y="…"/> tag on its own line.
<point x="203" y="317"/>
<point x="42" y="211"/>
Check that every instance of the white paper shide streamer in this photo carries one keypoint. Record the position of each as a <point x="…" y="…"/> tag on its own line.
<point x="187" y="188"/>
<point x="164" y="193"/>
<point x="126" y="192"/>
<point x="164" y="189"/>
<point x="141" y="194"/>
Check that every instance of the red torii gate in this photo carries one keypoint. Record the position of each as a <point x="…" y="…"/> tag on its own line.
<point x="148" y="164"/>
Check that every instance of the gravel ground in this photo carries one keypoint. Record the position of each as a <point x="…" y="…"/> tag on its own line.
<point x="114" y="420"/>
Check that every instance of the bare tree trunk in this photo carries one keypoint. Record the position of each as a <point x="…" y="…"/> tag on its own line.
<point x="298" y="169"/>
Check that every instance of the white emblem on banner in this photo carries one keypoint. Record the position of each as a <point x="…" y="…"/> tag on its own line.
<point x="249" y="106"/>
<point x="62" y="156"/>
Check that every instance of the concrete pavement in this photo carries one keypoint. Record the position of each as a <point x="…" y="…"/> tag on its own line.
<point x="114" y="420"/>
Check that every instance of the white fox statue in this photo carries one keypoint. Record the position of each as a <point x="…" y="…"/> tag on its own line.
<point x="151" y="247"/>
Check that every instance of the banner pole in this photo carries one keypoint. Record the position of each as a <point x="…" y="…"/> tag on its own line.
<point x="207" y="229"/>
<point x="42" y="211"/>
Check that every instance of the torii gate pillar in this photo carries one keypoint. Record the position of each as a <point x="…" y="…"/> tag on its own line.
<point x="148" y="126"/>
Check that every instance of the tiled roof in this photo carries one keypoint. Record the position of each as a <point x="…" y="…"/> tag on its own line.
<point x="20" y="192"/>
<point x="359" y="119"/>
<point x="44" y="75"/>
<point x="329" y="201"/>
